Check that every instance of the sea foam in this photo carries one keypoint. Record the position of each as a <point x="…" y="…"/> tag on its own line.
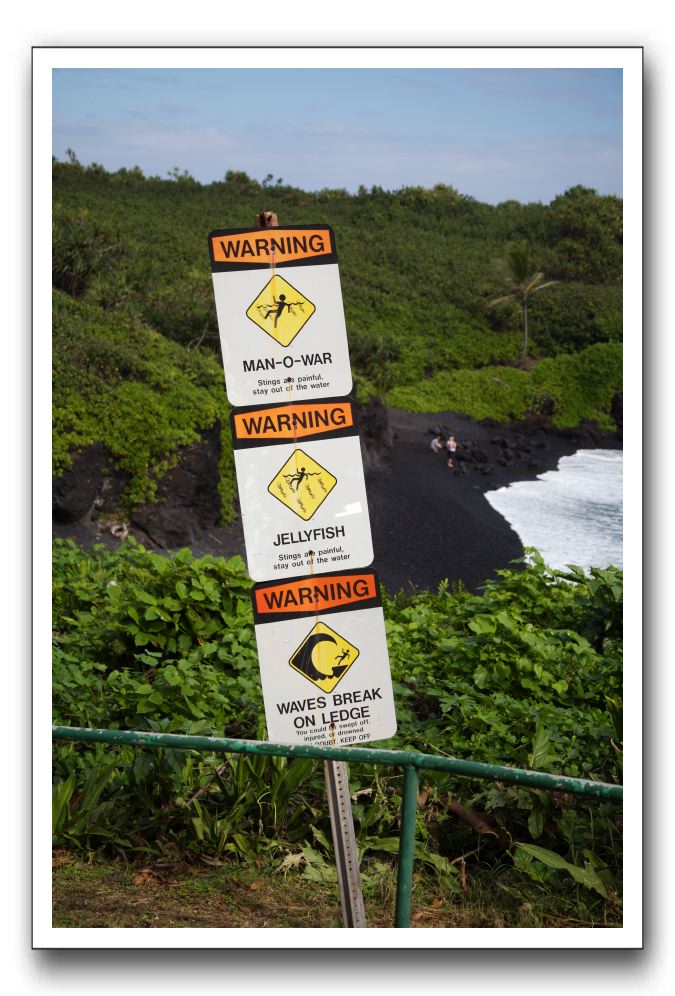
<point x="572" y="515"/>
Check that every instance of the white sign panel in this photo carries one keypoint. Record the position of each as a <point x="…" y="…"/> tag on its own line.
<point x="280" y="315"/>
<point x="301" y="488"/>
<point x="323" y="658"/>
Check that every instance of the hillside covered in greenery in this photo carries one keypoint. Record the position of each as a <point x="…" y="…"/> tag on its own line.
<point x="136" y="350"/>
<point x="525" y="672"/>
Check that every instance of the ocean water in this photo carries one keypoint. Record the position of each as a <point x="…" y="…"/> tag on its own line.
<point x="572" y="515"/>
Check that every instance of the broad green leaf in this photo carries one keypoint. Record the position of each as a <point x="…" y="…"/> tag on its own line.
<point x="541" y="749"/>
<point x="480" y="676"/>
<point x="145" y="596"/>
<point x="321" y="838"/>
<point x="482" y="625"/>
<point x="586" y="876"/>
<point x="535" y="823"/>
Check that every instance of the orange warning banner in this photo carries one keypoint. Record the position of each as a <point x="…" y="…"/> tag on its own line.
<point x="281" y="245"/>
<point x="326" y="592"/>
<point x="292" y="421"/>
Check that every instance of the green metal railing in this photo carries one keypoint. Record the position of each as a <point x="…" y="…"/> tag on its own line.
<point x="410" y="761"/>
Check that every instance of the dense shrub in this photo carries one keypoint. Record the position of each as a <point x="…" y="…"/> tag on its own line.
<point x="570" y="317"/>
<point x="531" y="667"/>
<point x="581" y="385"/>
<point x="503" y="393"/>
<point x="141" y="636"/>
<point x="120" y="383"/>
<point x="586" y="234"/>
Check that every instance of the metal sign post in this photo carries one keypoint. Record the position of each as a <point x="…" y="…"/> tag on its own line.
<point x="344" y="843"/>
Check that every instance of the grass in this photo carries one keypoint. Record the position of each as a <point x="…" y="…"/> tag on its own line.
<point x="171" y="893"/>
<point x="111" y="894"/>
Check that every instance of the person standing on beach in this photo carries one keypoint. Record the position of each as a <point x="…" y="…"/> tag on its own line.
<point x="451" y="447"/>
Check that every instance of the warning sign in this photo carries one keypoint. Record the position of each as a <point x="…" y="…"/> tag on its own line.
<point x="302" y="484"/>
<point x="251" y="248"/>
<point x="313" y="595"/>
<point x="335" y="687"/>
<point x="280" y="314"/>
<point x="276" y="423"/>
<point x="280" y="310"/>
<point x="301" y="488"/>
<point x="324" y="657"/>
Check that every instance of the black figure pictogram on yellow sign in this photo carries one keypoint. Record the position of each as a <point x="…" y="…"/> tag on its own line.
<point x="280" y="310"/>
<point x="324" y="657"/>
<point x="302" y="484"/>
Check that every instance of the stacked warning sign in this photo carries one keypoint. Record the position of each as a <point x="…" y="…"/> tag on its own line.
<point x="301" y="485"/>
<point x="301" y="488"/>
<point x="280" y="315"/>
<point x="323" y="659"/>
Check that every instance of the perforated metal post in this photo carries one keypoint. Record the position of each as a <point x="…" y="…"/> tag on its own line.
<point x="344" y="843"/>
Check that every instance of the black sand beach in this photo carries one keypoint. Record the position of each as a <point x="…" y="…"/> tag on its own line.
<point x="428" y="522"/>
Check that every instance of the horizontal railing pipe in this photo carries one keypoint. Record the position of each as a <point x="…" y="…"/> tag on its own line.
<point x="357" y="755"/>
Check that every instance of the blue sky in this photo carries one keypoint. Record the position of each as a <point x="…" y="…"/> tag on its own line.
<point x="495" y="134"/>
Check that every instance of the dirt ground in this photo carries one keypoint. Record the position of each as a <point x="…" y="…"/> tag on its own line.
<point x="106" y="894"/>
<point x="97" y="892"/>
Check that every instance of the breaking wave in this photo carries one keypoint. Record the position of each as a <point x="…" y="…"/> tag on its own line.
<point x="572" y="515"/>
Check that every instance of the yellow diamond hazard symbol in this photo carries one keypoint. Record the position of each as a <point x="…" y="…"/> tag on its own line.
<point x="302" y="484"/>
<point x="281" y="310"/>
<point x="324" y="657"/>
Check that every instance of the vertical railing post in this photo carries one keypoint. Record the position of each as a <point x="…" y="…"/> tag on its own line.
<point x="406" y="848"/>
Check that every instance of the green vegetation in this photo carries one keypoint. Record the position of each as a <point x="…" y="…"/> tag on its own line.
<point x="119" y="382"/>
<point x="527" y="674"/>
<point x="579" y="385"/>
<point x="418" y="269"/>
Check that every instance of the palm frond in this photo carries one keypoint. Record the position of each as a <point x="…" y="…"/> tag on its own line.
<point x="506" y="297"/>
<point x="531" y="281"/>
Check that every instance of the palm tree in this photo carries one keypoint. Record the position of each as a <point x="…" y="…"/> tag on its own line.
<point x="524" y="280"/>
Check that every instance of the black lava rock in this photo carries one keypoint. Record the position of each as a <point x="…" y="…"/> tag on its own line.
<point x="74" y="491"/>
